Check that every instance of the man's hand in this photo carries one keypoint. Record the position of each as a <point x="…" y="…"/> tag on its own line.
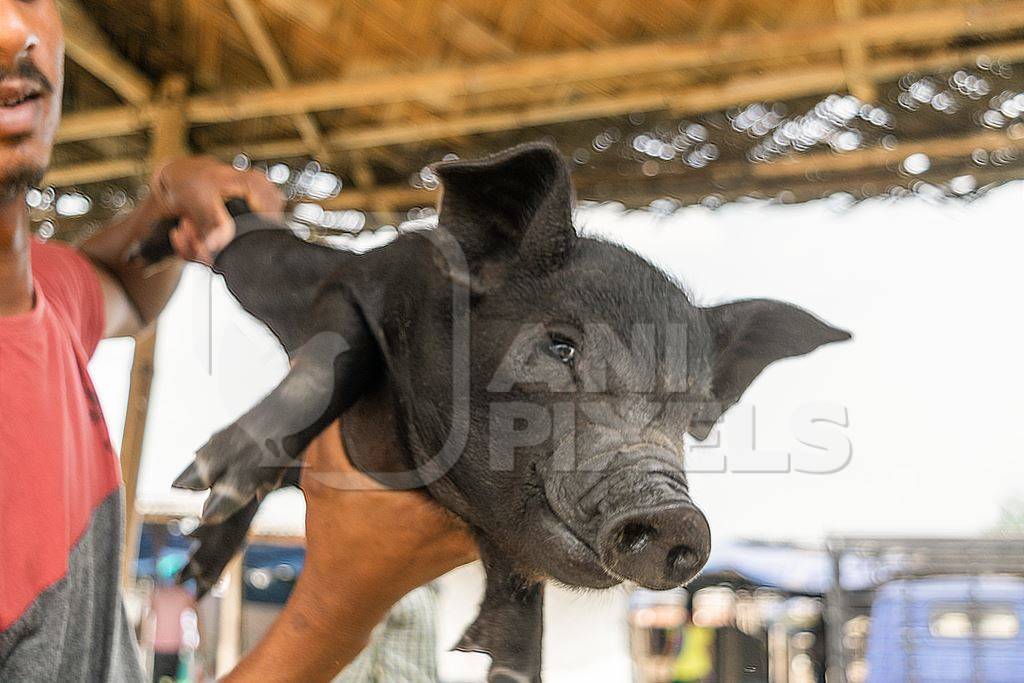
<point x="194" y="190"/>
<point x="365" y="549"/>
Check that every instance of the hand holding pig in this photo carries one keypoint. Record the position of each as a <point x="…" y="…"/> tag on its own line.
<point x="365" y="549"/>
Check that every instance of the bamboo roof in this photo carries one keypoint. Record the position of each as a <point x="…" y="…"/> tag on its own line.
<point x="657" y="102"/>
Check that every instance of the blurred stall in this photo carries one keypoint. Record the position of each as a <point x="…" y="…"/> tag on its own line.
<point x="859" y="610"/>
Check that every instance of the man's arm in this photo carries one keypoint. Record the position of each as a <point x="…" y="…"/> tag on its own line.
<point x="365" y="548"/>
<point x="193" y="190"/>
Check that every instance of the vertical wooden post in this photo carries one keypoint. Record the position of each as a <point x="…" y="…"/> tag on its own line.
<point x="835" y="616"/>
<point x="855" y="55"/>
<point x="229" y="625"/>
<point x="170" y="127"/>
<point x="170" y="140"/>
<point x="131" y="447"/>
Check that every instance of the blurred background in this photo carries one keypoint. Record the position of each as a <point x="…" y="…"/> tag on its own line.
<point x="857" y="157"/>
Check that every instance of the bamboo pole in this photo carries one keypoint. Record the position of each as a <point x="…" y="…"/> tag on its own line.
<point x="742" y="90"/>
<point x="273" y="63"/>
<point x="169" y="141"/>
<point x="229" y="625"/>
<point x="937" y="148"/>
<point x="131" y="447"/>
<point x="94" y="172"/>
<point x="88" y="46"/>
<point x="103" y="123"/>
<point x="795" y="167"/>
<point x="855" y="55"/>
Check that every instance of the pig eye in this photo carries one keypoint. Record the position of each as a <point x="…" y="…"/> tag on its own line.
<point x="562" y="349"/>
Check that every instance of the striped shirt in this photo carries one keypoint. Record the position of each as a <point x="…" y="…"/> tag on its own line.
<point x="403" y="647"/>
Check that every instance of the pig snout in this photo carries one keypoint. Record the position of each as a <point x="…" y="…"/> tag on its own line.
<point x="658" y="547"/>
<point x="635" y="516"/>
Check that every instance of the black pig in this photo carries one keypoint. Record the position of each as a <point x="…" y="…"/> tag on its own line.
<point x="536" y="383"/>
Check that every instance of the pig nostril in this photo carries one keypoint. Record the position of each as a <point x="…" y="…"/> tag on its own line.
<point x="634" y="537"/>
<point x="681" y="557"/>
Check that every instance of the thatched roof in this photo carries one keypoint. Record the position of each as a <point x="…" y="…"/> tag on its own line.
<point x="694" y="101"/>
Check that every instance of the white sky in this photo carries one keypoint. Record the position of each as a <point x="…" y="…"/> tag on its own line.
<point x="931" y="381"/>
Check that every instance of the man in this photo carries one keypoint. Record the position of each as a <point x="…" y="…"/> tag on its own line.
<point x="171" y="607"/>
<point x="61" y="618"/>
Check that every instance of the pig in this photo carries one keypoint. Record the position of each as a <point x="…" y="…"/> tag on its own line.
<point x="536" y="383"/>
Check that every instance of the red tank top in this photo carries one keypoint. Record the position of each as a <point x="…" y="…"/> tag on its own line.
<point x="56" y="462"/>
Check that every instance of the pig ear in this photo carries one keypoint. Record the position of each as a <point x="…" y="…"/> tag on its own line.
<point x="747" y="337"/>
<point x="513" y="206"/>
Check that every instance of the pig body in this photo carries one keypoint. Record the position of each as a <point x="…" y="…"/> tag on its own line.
<point x="536" y="383"/>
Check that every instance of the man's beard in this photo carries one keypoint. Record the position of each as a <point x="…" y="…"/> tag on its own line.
<point x="15" y="182"/>
<point x="24" y="174"/>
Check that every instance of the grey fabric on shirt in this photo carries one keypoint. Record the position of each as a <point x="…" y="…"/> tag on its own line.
<point x="77" y="629"/>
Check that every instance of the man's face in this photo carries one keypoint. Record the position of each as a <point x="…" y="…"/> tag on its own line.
<point x="31" y="81"/>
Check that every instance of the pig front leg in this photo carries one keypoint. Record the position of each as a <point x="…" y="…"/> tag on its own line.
<point x="510" y="624"/>
<point x="248" y="458"/>
<point x="261" y="450"/>
<point x="216" y="545"/>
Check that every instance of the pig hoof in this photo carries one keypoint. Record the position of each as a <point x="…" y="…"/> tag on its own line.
<point x="468" y="644"/>
<point x="191" y="479"/>
<point x="214" y="547"/>
<point x="223" y="502"/>
<point x="237" y="469"/>
<point x="194" y="572"/>
<point x="500" y="674"/>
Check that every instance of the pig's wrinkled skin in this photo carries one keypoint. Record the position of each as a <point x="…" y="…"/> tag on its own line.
<point x="561" y="372"/>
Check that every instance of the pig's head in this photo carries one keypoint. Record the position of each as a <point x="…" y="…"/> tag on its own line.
<point x="587" y="367"/>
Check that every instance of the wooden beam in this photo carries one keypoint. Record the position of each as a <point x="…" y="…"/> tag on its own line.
<point x="578" y="23"/>
<point x="273" y="63"/>
<point x="371" y="198"/>
<point x="89" y="47"/>
<point x="935" y="148"/>
<point x="696" y="99"/>
<point x="762" y="177"/>
<point x="895" y="67"/>
<point x="126" y="120"/>
<point x="95" y="172"/>
<point x="102" y="123"/>
<point x="715" y="16"/>
<point x="314" y="14"/>
<point x="398" y="196"/>
<point x="526" y="72"/>
<point x="868" y="183"/>
<point x="855" y="55"/>
<point x="782" y="85"/>
<point x="208" y="65"/>
<point x="512" y="18"/>
<point x="469" y="35"/>
<point x="116" y="121"/>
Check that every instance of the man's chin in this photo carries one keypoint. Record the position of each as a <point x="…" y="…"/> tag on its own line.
<point x="18" y="177"/>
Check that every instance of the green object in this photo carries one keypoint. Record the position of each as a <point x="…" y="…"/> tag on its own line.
<point x="168" y="566"/>
<point x="694" y="662"/>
